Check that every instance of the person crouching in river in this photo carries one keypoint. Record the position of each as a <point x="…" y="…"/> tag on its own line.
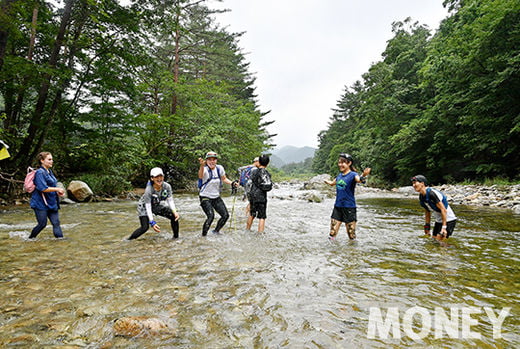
<point x="211" y="177"/>
<point x="345" y="206"/>
<point x="157" y="199"/>
<point x="44" y="198"/>
<point x="432" y="200"/>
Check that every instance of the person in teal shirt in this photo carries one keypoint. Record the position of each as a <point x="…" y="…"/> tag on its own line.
<point x="345" y="210"/>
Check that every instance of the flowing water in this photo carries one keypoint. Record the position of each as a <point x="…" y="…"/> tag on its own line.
<point x="287" y="288"/>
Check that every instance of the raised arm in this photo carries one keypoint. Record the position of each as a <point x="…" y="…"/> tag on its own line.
<point x="331" y="183"/>
<point x="363" y="177"/>
<point x="201" y="168"/>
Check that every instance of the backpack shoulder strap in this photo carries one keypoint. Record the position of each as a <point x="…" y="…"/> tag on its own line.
<point x="203" y="184"/>
<point x="444" y="199"/>
<point x="423" y="200"/>
<point x="210" y="174"/>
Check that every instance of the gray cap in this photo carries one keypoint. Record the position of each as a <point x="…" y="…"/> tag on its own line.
<point x="419" y="178"/>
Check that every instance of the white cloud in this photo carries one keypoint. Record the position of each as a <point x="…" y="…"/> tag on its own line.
<point x="304" y="52"/>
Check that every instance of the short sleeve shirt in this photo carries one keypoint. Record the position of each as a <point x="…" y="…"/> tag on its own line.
<point x="212" y="188"/>
<point x="436" y="197"/>
<point x="345" y="185"/>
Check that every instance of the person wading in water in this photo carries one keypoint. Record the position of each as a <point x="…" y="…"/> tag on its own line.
<point x="211" y="177"/>
<point x="345" y="206"/>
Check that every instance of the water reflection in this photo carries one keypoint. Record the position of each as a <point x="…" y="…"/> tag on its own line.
<point x="289" y="287"/>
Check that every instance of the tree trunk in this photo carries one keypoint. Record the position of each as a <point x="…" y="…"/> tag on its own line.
<point x="30" y="146"/>
<point x="176" y="62"/>
<point x="33" y="32"/>
<point x="5" y="8"/>
<point x="12" y="116"/>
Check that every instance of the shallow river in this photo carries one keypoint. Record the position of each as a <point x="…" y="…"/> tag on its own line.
<point x="287" y="288"/>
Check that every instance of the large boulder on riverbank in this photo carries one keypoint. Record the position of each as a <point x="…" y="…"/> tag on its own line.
<point x="80" y="191"/>
<point x="65" y="198"/>
<point x="317" y="182"/>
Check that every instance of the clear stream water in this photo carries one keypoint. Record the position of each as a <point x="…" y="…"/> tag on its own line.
<point x="287" y="288"/>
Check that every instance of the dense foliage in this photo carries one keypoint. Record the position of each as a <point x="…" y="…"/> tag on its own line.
<point x="298" y="169"/>
<point x="114" y="90"/>
<point x="446" y="106"/>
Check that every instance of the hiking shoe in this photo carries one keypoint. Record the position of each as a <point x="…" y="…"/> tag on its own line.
<point x="332" y="238"/>
<point x="215" y="232"/>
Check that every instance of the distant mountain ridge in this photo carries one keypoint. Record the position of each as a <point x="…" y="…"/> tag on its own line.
<point x="291" y="154"/>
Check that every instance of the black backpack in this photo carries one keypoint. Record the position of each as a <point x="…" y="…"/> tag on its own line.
<point x="264" y="180"/>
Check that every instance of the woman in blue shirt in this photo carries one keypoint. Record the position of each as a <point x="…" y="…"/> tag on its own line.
<point x="44" y="199"/>
<point x="345" y="206"/>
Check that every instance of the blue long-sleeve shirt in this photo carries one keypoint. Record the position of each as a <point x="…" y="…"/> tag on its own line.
<point x="44" y="179"/>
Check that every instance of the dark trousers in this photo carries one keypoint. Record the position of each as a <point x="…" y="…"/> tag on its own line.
<point x="145" y="222"/>
<point x="209" y="206"/>
<point x="41" y="218"/>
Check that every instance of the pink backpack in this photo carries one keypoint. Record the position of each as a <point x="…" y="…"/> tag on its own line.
<point x="28" y="183"/>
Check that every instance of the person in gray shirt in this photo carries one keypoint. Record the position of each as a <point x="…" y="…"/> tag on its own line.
<point x="157" y="199"/>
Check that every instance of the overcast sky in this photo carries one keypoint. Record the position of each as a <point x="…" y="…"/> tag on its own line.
<point x="304" y="53"/>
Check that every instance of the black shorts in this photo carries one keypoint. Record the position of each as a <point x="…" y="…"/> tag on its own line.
<point x="344" y="214"/>
<point x="259" y="210"/>
<point x="450" y="226"/>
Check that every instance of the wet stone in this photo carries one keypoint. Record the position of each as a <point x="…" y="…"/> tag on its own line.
<point x="141" y="326"/>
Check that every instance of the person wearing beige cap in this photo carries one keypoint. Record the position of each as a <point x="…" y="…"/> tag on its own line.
<point x="211" y="177"/>
<point x="157" y="199"/>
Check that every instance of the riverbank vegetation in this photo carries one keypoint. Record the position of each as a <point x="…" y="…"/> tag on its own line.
<point x="114" y="90"/>
<point x="444" y="105"/>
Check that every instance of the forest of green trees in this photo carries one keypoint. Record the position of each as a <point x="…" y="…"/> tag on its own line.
<point x="113" y="90"/>
<point x="445" y="105"/>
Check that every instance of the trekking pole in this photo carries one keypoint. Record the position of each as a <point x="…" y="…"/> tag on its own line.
<point x="234" y="193"/>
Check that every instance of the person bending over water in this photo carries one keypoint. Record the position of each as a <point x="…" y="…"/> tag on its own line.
<point x="434" y="201"/>
<point x="157" y="199"/>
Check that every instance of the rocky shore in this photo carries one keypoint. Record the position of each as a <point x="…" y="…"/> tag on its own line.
<point x="477" y="195"/>
<point x="502" y="196"/>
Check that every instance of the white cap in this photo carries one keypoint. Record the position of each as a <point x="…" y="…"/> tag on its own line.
<point x="156" y="171"/>
<point x="256" y="159"/>
<point x="211" y="154"/>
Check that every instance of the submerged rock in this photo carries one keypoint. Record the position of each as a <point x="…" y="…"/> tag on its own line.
<point x="141" y="326"/>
